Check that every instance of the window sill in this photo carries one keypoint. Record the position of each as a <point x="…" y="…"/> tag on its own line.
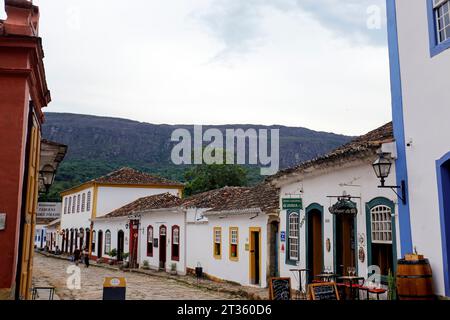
<point x="234" y="259"/>
<point x="437" y="49"/>
<point x="218" y="257"/>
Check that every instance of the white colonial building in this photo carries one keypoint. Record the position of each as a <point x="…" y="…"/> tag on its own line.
<point x="150" y="231"/>
<point x="419" y="42"/>
<point x="343" y="219"/>
<point x="54" y="236"/>
<point x="98" y="197"/>
<point x="232" y="232"/>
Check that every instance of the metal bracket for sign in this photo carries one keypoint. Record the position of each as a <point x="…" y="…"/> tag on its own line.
<point x="402" y="188"/>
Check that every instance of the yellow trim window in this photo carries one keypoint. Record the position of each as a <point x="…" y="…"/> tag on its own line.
<point x="234" y="244"/>
<point x="218" y="243"/>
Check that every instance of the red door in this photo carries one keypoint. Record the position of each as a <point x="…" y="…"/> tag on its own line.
<point x="134" y="234"/>
<point x="162" y="247"/>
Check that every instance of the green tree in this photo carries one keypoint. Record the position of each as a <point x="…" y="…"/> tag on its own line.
<point x="205" y="177"/>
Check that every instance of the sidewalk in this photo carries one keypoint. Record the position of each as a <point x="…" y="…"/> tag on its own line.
<point x="251" y="293"/>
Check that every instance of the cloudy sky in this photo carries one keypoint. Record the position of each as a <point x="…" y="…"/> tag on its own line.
<point x="311" y="63"/>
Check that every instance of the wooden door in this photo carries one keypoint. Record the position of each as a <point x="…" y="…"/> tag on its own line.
<point x="345" y="243"/>
<point x="134" y="239"/>
<point x="120" y="245"/>
<point x="100" y="244"/>
<point x="31" y="198"/>
<point x="162" y="247"/>
<point x="255" y="255"/>
<point x="315" y="243"/>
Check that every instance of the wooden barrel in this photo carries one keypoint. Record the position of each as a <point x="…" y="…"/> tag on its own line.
<point x="414" y="280"/>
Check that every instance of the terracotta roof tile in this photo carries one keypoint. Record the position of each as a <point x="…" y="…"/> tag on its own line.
<point x="131" y="176"/>
<point x="160" y="201"/>
<point x="263" y="196"/>
<point x="368" y="142"/>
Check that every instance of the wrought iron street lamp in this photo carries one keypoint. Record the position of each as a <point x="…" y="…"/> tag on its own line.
<point x="382" y="167"/>
<point x="48" y="176"/>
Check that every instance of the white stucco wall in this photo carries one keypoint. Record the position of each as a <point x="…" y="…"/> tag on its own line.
<point x="155" y="219"/>
<point x="114" y="226"/>
<point x="168" y="219"/>
<point x="426" y="112"/>
<point x="111" y="198"/>
<point x="224" y="268"/>
<point x="358" y="181"/>
<point x="76" y="219"/>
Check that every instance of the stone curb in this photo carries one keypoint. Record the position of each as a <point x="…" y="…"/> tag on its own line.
<point x="241" y="292"/>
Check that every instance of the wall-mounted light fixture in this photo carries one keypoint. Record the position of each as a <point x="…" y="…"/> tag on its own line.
<point x="382" y="167"/>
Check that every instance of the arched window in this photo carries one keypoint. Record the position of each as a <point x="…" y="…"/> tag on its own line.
<point x="150" y="241"/>
<point x="107" y="242"/>
<point x="73" y="203"/>
<point x="293" y="240"/>
<point x="78" y="203"/>
<point x="93" y="241"/>
<point x="176" y="243"/>
<point x="70" y="204"/>
<point x="65" y="205"/>
<point x="83" y="202"/>
<point x="381" y="235"/>
<point x="88" y="201"/>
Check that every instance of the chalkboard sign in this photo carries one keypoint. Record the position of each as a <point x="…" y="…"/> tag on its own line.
<point x="280" y="289"/>
<point x="323" y="291"/>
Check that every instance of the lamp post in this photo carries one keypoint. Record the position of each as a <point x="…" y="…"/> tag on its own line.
<point x="382" y="167"/>
<point x="48" y="176"/>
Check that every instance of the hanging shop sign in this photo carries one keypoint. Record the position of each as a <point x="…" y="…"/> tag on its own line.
<point x="344" y="206"/>
<point x="292" y="204"/>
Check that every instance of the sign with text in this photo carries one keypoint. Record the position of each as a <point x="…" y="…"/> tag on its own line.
<point x="49" y="210"/>
<point x="280" y="289"/>
<point x="283" y="236"/>
<point x="323" y="291"/>
<point x="292" y="204"/>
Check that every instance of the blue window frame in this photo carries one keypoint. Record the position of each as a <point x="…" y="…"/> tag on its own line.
<point x="443" y="179"/>
<point x="438" y="25"/>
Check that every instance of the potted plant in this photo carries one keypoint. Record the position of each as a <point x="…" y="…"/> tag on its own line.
<point x="173" y="269"/>
<point x="126" y="263"/>
<point x="145" y="265"/>
<point x="112" y="254"/>
<point x="392" y="287"/>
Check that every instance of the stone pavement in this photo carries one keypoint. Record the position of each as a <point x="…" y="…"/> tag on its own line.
<point x="141" y="284"/>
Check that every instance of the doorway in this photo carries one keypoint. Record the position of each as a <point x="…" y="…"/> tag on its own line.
<point x="120" y="245"/>
<point x="133" y="242"/>
<point x="273" y="242"/>
<point x="345" y="245"/>
<point x="443" y="175"/>
<point x="162" y="247"/>
<point x="314" y="240"/>
<point x="71" y="242"/>
<point x="100" y="244"/>
<point x="255" y="256"/>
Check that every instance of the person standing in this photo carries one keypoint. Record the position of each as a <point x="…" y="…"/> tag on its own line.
<point x="77" y="256"/>
<point x="86" y="258"/>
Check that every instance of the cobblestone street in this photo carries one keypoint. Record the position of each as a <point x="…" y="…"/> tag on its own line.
<point x="52" y="272"/>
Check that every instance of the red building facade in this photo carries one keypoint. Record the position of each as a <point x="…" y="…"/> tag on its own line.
<point x="23" y="94"/>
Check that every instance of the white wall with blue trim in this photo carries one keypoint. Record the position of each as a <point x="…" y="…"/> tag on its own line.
<point x="420" y="73"/>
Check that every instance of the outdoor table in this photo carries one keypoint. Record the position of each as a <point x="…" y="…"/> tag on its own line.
<point x="352" y="280"/>
<point x="300" y="286"/>
<point x="326" y="277"/>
